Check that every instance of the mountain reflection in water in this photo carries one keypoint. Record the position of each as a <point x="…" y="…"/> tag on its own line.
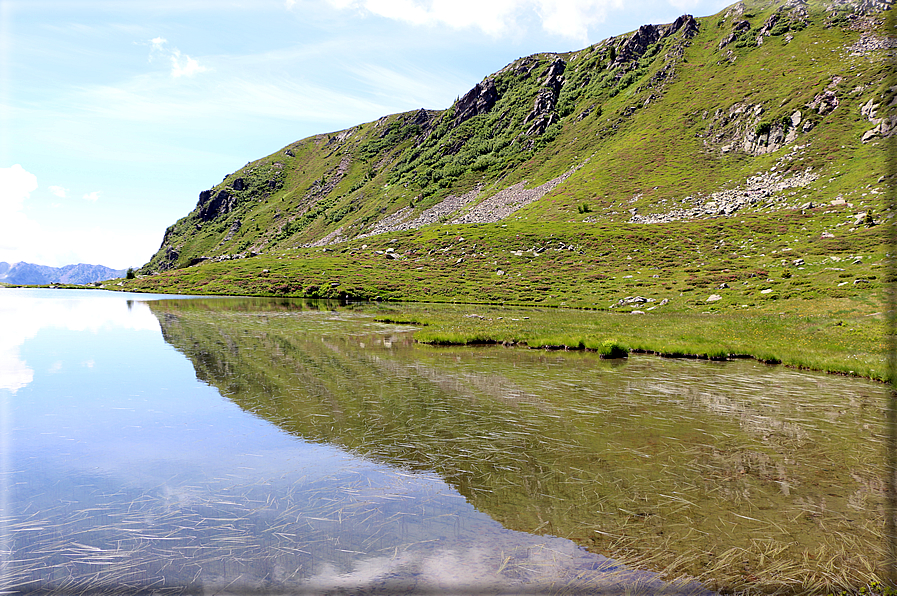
<point x="764" y="476"/>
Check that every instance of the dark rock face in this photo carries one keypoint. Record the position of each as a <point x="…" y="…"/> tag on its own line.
<point x="737" y="29"/>
<point x="212" y="208"/>
<point x="554" y="75"/>
<point x="239" y="184"/>
<point x="647" y="35"/>
<point x="478" y="100"/>
<point x="422" y="117"/>
<point x="171" y="256"/>
<point x="543" y="113"/>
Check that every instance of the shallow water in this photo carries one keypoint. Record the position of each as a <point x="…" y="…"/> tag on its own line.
<point x="233" y="445"/>
<point x="127" y="469"/>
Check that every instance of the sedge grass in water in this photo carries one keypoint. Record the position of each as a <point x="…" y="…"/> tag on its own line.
<point x="126" y="468"/>
<point x="751" y="478"/>
<point x="832" y="336"/>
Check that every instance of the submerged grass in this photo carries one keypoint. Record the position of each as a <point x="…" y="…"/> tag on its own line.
<point x="753" y="479"/>
<point x="835" y="342"/>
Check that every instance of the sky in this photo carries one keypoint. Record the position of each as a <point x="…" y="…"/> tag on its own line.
<point x="115" y="114"/>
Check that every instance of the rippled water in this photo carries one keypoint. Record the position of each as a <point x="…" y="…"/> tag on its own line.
<point x="233" y="445"/>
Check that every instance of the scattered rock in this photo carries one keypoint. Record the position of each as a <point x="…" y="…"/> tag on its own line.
<point x="757" y="189"/>
<point x="629" y="300"/>
<point x="714" y="298"/>
<point x="869" y="43"/>
<point x="234" y="228"/>
<point x="824" y="103"/>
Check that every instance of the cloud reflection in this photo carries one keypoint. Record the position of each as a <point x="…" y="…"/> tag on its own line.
<point x="23" y="313"/>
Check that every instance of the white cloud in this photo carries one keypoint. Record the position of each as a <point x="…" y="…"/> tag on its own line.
<point x="186" y="67"/>
<point x="92" y="196"/>
<point x="182" y="65"/>
<point x="565" y="18"/>
<point x="16" y="184"/>
<point x="58" y="191"/>
<point x="574" y="18"/>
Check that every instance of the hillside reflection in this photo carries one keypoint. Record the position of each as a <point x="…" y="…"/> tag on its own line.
<point x="690" y="466"/>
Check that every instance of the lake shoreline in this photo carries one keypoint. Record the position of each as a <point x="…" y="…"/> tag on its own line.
<point x="846" y="340"/>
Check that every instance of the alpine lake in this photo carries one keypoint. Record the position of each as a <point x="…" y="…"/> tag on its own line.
<point x="165" y="445"/>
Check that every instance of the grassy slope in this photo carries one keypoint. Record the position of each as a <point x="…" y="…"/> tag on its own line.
<point x="638" y="155"/>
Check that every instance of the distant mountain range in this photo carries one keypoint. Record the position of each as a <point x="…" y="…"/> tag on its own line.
<point x="31" y="274"/>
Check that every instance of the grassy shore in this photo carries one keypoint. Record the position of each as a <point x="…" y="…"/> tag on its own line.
<point x="841" y="340"/>
<point x="775" y="290"/>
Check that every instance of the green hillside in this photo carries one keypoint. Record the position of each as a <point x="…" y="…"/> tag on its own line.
<point x="708" y="154"/>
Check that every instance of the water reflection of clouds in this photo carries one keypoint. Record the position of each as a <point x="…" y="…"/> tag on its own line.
<point x="23" y="313"/>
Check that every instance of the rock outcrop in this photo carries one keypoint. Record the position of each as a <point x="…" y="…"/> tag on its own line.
<point x="209" y="208"/>
<point x="543" y="113"/>
<point x="647" y="35"/>
<point x="885" y="126"/>
<point x="738" y="29"/>
<point x="478" y="100"/>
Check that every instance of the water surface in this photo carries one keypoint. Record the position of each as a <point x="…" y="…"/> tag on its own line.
<point x="130" y="468"/>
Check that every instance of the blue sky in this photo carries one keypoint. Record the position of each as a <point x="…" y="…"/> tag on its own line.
<point x="115" y="114"/>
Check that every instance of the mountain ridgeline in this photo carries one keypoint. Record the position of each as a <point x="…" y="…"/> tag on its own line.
<point x="31" y="274"/>
<point x="767" y="107"/>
